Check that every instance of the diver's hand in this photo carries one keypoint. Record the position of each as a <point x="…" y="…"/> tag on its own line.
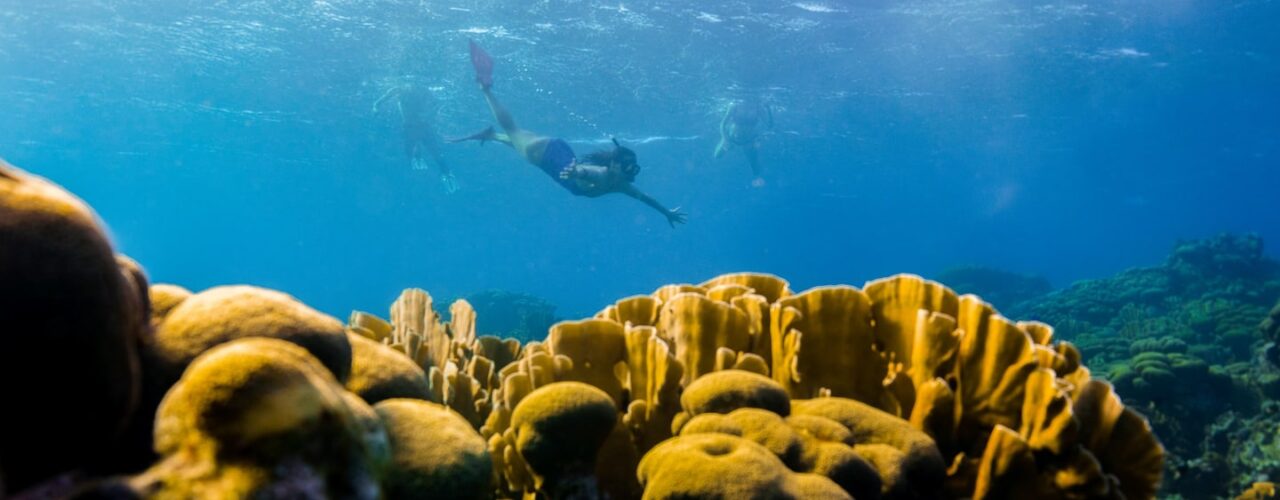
<point x="675" y="216"/>
<point x="569" y="171"/>
<point x="450" y="183"/>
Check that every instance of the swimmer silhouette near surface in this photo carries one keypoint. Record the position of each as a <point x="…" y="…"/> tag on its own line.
<point x="421" y="140"/>
<point x="741" y="127"/>
<point x="597" y="174"/>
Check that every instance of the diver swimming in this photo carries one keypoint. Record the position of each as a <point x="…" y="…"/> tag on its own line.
<point x="740" y="127"/>
<point x="597" y="174"/>
<point x="417" y="110"/>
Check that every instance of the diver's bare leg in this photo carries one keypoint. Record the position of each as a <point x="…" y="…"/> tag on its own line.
<point x="484" y="135"/>
<point x="501" y="114"/>
<point x="753" y="158"/>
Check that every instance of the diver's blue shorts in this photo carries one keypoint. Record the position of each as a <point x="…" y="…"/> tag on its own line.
<point x="555" y="159"/>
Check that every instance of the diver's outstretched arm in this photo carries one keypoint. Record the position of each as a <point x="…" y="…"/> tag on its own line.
<point x="500" y="113"/>
<point x="393" y="91"/>
<point x="674" y="215"/>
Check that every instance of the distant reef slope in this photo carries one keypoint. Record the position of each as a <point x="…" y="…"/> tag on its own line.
<point x="1191" y="343"/>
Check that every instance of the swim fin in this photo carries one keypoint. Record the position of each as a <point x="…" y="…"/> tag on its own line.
<point x="483" y="65"/>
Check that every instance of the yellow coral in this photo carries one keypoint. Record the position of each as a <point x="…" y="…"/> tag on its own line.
<point x="222" y="314"/>
<point x="379" y="372"/>
<point x="771" y="287"/>
<point x="639" y="310"/>
<point x="911" y="354"/>
<point x="435" y="453"/>
<point x="720" y="466"/>
<point x="914" y="468"/>
<point x="259" y="415"/>
<point x="698" y="327"/>
<point x="823" y="341"/>
<point x="653" y="381"/>
<point x="725" y="391"/>
<point x="1259" y="491"/>
<point x="594" y="348"/>
<point x="164" y="297"/>
<point x="558" y="431"/>
<point x="1120" y="438"/>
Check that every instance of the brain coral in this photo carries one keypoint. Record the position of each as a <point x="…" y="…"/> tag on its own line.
<point x="71" y="329"/>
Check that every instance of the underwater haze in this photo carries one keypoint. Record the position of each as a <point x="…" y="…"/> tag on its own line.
<point x="236" y="142"/>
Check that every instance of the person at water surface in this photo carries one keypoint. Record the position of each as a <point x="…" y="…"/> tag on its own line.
<point x="740" y="127"/>
<point x="597" y="174"/>
<point x="418" y="129"/>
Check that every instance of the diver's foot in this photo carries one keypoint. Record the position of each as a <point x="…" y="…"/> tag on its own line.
<point x="758" y="182"/>
<point x="449" y="182"/>
<point x="419" y="164"/>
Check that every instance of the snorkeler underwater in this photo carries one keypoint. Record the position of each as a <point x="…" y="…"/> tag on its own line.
<point x="931" y="249"/>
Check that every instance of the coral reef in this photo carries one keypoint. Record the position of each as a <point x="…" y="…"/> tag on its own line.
<point x="1010" y="290"/>
<point x="737" y="387"/>
<point x="511" y="314"/>
<point x="1182" y="342"/>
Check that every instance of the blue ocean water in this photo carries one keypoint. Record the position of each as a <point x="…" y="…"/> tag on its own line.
<point x="235" y="142"/>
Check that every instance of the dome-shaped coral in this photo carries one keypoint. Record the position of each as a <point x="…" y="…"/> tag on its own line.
<point x="226" y="313"/>
<point x="728" y="390"/>
<point x="435" y="453"/>
<point x="259" y="417"/>
<point x="164" y="297"/>
<point x="914" y="469"/>
<point x="804" y="443"/>
<point x="722" y="466"/>
<point x="558" y="430"/>
<point x="379" y="372"/>
<point x="71" y="329"/>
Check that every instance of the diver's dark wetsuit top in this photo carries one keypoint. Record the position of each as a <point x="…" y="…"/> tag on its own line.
<point x="743" y="119"/>
<point x="555" y="158"/>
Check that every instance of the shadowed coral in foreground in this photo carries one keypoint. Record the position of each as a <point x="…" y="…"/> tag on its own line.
<point x="73" y="322"/>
